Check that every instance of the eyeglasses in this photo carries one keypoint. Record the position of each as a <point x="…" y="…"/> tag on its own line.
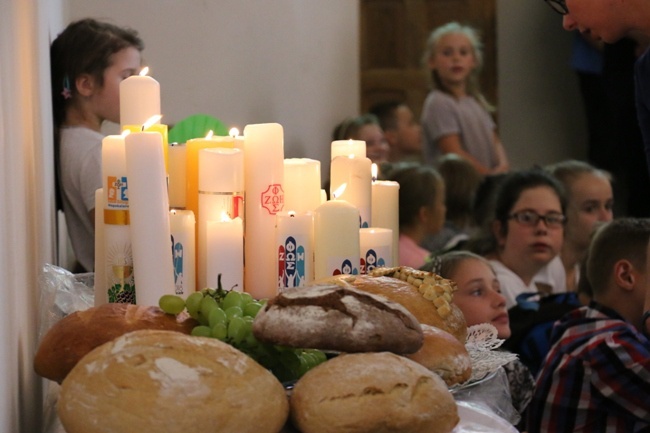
<point x="558" y="6"/>
<point x="531" y="219"/>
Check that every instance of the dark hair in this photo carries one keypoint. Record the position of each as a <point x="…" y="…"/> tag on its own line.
<point x="349" y="128"/>
<point x="461" y="183"/>
<point x="620" y="239"/>
<point x="386" y="113"/>
<point x="418" y="186"/>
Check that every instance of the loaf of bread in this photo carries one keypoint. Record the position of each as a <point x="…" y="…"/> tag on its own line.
<point x="443" y="354"/>
<point x="337" y="318"/>
<point x="372" y="392"/>
<point x="80" y="332"/>
<point x="162" y="381"/>
<point x="426" y="295"/>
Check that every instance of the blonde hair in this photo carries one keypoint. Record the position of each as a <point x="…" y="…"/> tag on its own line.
<point x="473" y="87"/>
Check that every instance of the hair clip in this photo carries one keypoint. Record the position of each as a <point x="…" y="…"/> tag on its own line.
<point x="66" y="93"/>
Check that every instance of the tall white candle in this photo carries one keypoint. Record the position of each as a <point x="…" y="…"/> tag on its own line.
<point x="139" y="99"/>
<point x="225" y="253"/>
<point x="355" y="173"/>
<point x="264" y="172"/>
<point x="101" y="295"/>
<point x="376" y="248"/>
<point x="177" y="175"/>
<point x="294" y="249"/>
<point x="221" y="190"/>
<point x="353" y="148"/>
<point x="302" y="183"/>
<point x="385" y="210"/>
<point x="149" y="209"/>
<point x="182" y="227"/>
<point x="336" y="239"/>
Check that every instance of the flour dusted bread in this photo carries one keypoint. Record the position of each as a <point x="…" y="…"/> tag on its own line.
<point x="372" y="392"/>
<point x="80" y="332"/>
<point x="161" y="381"/>
<point x="337" y="318"/>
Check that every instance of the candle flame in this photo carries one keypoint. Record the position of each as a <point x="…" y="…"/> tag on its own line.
<point x="339" y="191"/>
<point x="292" y="213"/>
<point x="151" y="121"/>
<point x="209" y="134"/>
<point x="125" y="132"/>
<point x="234" y="132"/>
<point x="144" y="71"/>
<point x="225" y="217"/>
<point x="373" y="171"/>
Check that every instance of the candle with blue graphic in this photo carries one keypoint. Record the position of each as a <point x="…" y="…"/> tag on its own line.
<point x="294" y="248"/>
<point x="183" y="230"/>
<point x="376" y="246"/>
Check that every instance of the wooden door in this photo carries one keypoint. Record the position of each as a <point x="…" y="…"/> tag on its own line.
<point x="393" y="39"/>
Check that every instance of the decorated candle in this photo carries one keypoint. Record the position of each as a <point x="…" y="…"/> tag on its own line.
<point x="182" y="227"/>
<point x="294" y="249"/>
<point x="376" y="248"/>
<point x="101" y="295"/>
<point x="221" y="191"/>
<point x="264" y="174"/>
<point x="149" y="210"/>
<point x="385" y="210"/>
<point x="225" y="253"/>
<point x="177" y="170"/>
<point x="139" y="99"/>
<point x="350" y="148"/>
<point x="301" y="184"/>
<point x="152" y="125"/>
<point x="355" y="172"/>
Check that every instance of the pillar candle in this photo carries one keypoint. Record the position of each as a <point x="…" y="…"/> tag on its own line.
<point x="302" y="182"/>
<point x="139" y="99"/>
<point x="264" y="174"/>
<point x="225" y="253"/>
<point x="177" y="170"/>
<point x="336" y="239"/>
<point x="385" y="210"/>
<point x="221" y="191"/>
<point x="118" y="255"/>
<point x="149" y="210"/>
<point x="354" y="148"/>
<point x="376" y="246"/>
<point x="294" y="249"/>
<point x="101" y="295"/>
<point x="182" y="226"/>
<point x="355" y="173"/>
<point x="154" y="127"/>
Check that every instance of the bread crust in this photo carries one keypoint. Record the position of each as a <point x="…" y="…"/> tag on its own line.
<point x="80" y="332"/>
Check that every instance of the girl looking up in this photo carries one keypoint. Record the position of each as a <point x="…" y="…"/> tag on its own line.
<point x="456" y="116"/>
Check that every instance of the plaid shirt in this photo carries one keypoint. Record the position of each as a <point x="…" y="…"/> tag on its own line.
<point x="596" y="378"/>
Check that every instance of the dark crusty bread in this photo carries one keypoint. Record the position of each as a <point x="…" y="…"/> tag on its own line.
<point x="161" y="381"/>
<point x="372" y="392"/>
<point x="337" y="318"/>
<point x="78" y="333"/>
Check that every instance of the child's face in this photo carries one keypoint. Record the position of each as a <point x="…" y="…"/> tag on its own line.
<point x="376" y="146"/>
<point x="453" y="59"/>
<point x="591" y="203"/>
<point x="409" y="133"/>
<point x="605" y="20"/>
<point x="479" y="296"/>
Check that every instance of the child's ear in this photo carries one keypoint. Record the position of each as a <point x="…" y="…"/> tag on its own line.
<point x="625" y="274"/>
<point x="85" y="84"/>
<point x="497" y="231"/>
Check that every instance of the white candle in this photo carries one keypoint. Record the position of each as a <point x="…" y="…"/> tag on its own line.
<point x="354" y="148"/>
<point x="264" y="172"/>
<point x="301" y="184"/>
<point x="149" y="209"/>
<point x="385" y="210"/>
<point x="101" y="295"/>
<point x="221" y="190"/>
<point x="139" y="99"/>
<point x="355" y="173"/>
<point x="336" y="239"/>
<point x="376" y="246"/>
<point x="225" y="253"/>
<point x="182" y="227"/>
<point x="118" y="255"/>
<point x="294" y="249"/>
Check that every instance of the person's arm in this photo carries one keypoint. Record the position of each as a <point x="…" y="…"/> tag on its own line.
<point x="451" y="144"/>
<point x="503" y="164"/>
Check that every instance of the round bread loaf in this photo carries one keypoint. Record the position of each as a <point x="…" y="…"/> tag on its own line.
<point x="161" y="381"/>
<point x="372" y="392"/>
<point x="443" y="354"/>
<point x="337" y="318"/>
<point x="80" y="332"/>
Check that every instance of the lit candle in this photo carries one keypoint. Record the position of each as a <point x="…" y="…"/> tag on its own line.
<point x="355" y="173"/>
<point x="221" y="191"/>
<point x="301" y="184"/>
<point x="385" y="209"/>
<point x="239" y="139"/>
<point x="152" y="125"/>
<point x="182" y="227"/>
<point x="264" y="172"/>
<point x="177" y="175"/>
<point x="149" y="210"/>
<point x="225" y="253"/>
<point x="139" y="99"/>
<point x="376" y="246"/>
<point x="336" y="239"/>
<point x="356" y="148"/>
<point x="294" y="249"/>
<point x="101" y="295"/>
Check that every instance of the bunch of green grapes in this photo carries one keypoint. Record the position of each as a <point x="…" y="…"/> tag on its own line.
<point x="228" y="316"/>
